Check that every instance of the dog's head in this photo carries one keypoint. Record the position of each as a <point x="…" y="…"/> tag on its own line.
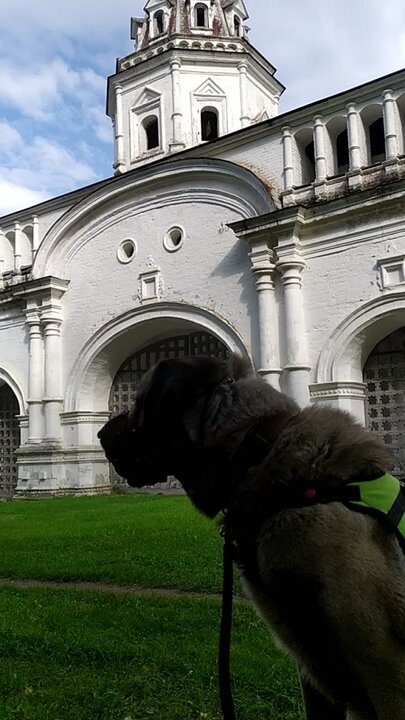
<point x="172" y="427"/>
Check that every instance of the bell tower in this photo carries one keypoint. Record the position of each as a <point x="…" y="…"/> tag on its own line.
<point x="193" y="77"/>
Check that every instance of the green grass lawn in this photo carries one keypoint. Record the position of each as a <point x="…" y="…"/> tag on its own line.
<point x="146" y="540"/>
<point x="74" y="655"/>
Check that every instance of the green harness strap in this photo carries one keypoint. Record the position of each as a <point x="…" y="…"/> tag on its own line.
<point x="384" y="495"/>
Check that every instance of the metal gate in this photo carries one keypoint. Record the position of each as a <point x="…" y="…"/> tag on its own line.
<point x="129" y="375"/>
<point x="384" y="374"/>
<point x="9" y="439"/>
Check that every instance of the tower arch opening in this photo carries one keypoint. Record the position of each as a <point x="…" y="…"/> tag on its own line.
<point x="209" y="124"/>
<point x="151" y="130"/>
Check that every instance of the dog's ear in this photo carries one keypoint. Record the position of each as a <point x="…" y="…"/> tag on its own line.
<point x="218" y="408"/>
<point x="239" y="367"/>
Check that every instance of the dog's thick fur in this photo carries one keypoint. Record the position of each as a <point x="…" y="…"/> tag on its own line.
<point x="329" y="581"/>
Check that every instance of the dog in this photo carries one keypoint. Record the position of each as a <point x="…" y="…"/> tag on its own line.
<point x="329" y="581"/>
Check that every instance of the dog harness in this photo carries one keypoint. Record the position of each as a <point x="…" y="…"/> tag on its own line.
<point x="383" y="497"/>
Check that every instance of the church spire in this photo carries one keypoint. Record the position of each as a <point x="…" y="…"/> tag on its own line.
<point x="193" y="77"/>
<point x="204" y="18"/>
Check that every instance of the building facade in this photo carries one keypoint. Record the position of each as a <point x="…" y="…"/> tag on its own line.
<point x="226" y="227"/>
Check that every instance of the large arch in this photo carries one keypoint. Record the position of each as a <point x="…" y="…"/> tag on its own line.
<point x="343" y="356"/>
<point x="89" y="385"/>
<point x="177" y="181"/>
<point x="7" y="379"/>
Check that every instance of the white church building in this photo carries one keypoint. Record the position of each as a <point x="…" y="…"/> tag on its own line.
<point x="226" y="227"/>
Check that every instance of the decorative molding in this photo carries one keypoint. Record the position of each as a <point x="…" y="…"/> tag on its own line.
<point x="323" y="391"/>
<point x="151" y="286"/>
<point x="392" y="272"/>
<point x="69" y="418"/>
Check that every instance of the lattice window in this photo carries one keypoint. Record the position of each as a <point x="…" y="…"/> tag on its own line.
<point x="384" y="373"/>
<point x="9" y="439"/>
<point x="129" y="375"/>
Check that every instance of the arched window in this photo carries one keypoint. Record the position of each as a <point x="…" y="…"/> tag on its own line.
<point x="151" y="127"/>
<point x="158" y="23"/>
<point x="377" y="141"/>
<point x="342" y="153"/>
<point x="236" y="25"/>
<point x="309" y="152"/>
<point x="209" y="125"/>
<point x="201" y="16"/>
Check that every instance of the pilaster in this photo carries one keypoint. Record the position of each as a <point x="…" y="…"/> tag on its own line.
<point x="319" y="148"/>
<point x="263" y="268"/>
<point x="353" y="133"/>
<point x="119" y="164"/>
<point x="35" y="377"/>
<point x="51" y="322"/>
<point x="17" y="247"/>
<point x="244" y="116"/>
<point x="177" y="141"/>
<point x="291" y="265"/>
<point x="390" y="127"/>
<point x="288" y="159"/>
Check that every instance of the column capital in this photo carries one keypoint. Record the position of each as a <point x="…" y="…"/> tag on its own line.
<point x="286" y="130"/>
<point x="262" y="258"/>
<point x="387" y="94"/>
<point x="175" y="63"/>
<point x="51" y="323"/>
<point x="318" y="119"/>
<point x="290" y="268"/>
<point x="32" y="316"/>
<point x="351" y="107"/>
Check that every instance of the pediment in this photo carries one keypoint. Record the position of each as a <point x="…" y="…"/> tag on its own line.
<point x="147" y="96"/>
<point x="238" y="6"/>
<point x="157" y="4"/>
<point x="209" y="89"/>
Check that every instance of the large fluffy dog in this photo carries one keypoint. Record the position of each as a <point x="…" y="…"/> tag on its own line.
<point x="329" y="581"/>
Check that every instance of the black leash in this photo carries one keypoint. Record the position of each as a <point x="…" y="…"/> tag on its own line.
<point x="256" y="448"/>
<point x="224" y="672"/>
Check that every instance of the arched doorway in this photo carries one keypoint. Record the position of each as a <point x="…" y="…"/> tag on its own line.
<point x="384" y="375"/>
<point x="127" y="379"/>
<point x="9" y="439"/>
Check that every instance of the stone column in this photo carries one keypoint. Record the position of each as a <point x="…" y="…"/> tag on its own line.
<point x="35" y="236"/>
<point x="177" y="116"/>
<point x="244" y="115"/>
<point x="297" y="367"/>
<point x="353" y="137"/>
<point x="390" y="126"/>
<point x="1" y="258"/>
<point x="35" y="378"/>
<point x="263" y="269"/>
<point x="119" y="165"/>
<point x="52" y="363"/>
<point x="319" y="147"/>
<point x="17" y="247"/>
<point x="288" y="159"/>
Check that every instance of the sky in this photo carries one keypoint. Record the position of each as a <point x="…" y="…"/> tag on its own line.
<point x="55" y="56"/>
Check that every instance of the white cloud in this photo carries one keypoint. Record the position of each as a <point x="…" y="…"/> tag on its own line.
<point x="32" y="172"/>
<point x="14" y="197"/>
<point x="53" y="57"/>
<point x="10" y="138"/>
<point x="37" y="92"/>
